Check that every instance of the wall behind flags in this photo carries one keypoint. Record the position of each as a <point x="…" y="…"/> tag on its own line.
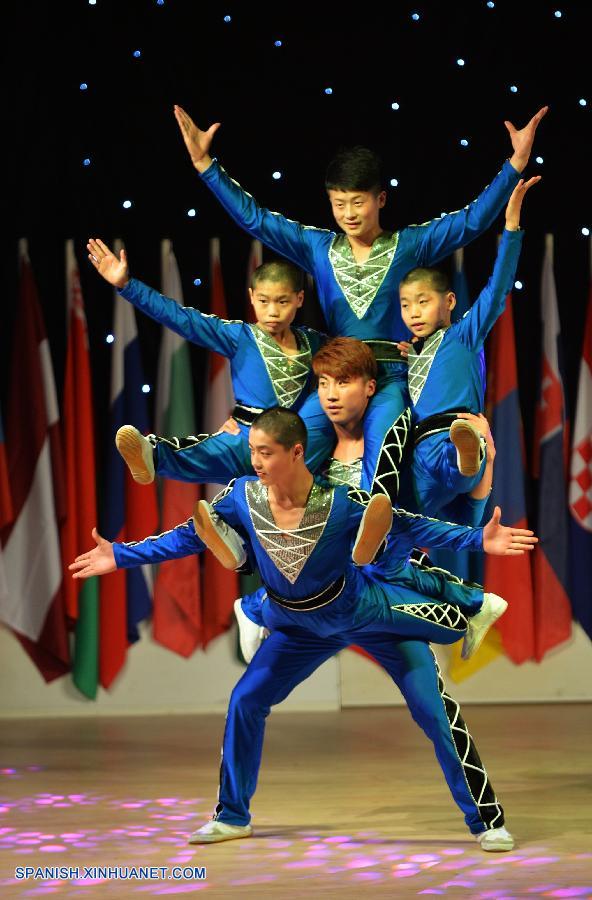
<point x="290" y="89"/>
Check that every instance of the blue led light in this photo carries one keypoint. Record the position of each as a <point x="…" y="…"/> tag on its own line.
<point x="197" y="281"/>
<point x="83" y="86"/>
<point x="518" y="285"/>
<point x="539" y="160"/>
<point x="145" y="388"/>
<point x="110" y="338"/>
<point x="557" y="13"/>
<point x="415" y="17"/>
<point x="582" y="102"/>
<point x="276" y="176"/>
<point x="160" y="2"/>
<point x="92" y="2"/>
<point x="490" y="4"/>
<point x="277" y="43"/>
<point x="394" y="182"/>
<point x="586" y="232"/>
<point x="86" y="162"/>
<point x="228" y="19"/>
<point x="191" y="213"/>
<point x="464" y="142"/>
<point x="513" y="88"/>
<point x="460" y="62"/>
<point x="137" y="53"/>
<point x="127" y="204"/>
<point x="328" y="90"/>
<point x="395" y="106"/>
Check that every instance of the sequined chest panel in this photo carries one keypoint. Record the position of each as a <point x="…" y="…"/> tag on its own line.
<point x="289" y="550"/>
<point x="337" y="472"/>
<point x="420" y="364"/>
<point x="360" y="282"/>
<point x="288" y="374"/>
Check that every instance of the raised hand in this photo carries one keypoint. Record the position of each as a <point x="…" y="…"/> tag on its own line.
<point x="197" y="142"/>
<point x="515" y="202"/>
<point x="98" y="561"/>
<point x="499" y="540"/>
<point x="523" y="138"/>
<point x="113" y="270"/>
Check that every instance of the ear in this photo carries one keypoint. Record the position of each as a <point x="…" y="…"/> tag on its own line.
<point x="299" y="298"/>
<point x="252" y="296"/>
<point x="298" y="451"/>
<point x="451" y="299"/>
<point x="381" y="199"/>
<point x="370" y="387"/>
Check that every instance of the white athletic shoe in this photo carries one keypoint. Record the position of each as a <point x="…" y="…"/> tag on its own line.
<point x="496" y="840"/>
<point x="374" y="527"/>
<point x="251" y="635"/>
<point x="469" y="452"/>
<point x="220" y="538"/>
<point x="479" y="624"/>
<point x="137" y="452"/>
<point x="213" y="832"/>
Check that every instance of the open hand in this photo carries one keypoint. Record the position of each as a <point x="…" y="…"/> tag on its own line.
<point x="515" y="202"/>
<point x="197" y="142"/>
<point x="98" y="561"/>
<point x="499" y="540"/>
<point x="113" y="270"/>
<point x="523" y="139"/>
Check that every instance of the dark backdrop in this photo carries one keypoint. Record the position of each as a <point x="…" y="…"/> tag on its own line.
<point x="277" y="116"/>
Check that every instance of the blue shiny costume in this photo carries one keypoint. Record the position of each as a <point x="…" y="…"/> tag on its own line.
<point x="447" y="374"/>
<point x="361" y="300"/>
<point x="262" y="376"/>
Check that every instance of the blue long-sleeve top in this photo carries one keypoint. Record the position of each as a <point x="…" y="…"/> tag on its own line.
<point x="262" y="374"/>
<point x="361" y="300"/>
<point x="447" y="373"/>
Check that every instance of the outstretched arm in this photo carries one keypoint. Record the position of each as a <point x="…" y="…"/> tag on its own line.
<point x="523" y="139"/>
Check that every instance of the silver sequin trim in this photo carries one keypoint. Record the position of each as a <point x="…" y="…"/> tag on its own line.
<point x="421" y="363"/>
<point x="361" y="282"/>
<point x="289" y="550"/>
<point x="337" y="472"/>
<point x="288" y="374"/>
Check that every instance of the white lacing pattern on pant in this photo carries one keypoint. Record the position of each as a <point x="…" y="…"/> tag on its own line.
<point x="191" y="440"/>
<point x="360" y="282"/>
<point x="439" y="613"/>
<point x="288" y="374"/>
<point x="388" y="463"/>
<point x="420" y="364"/>
<point x="421" y="560"/>
<point x="474" y="771"/>
<point x="289" y="550"/>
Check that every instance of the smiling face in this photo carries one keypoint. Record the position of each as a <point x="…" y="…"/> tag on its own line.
<point x="344" y="398"/>
<point x="357" y="212"/>
<point x="275" y="304"/>
<point x="273" y="463"/>
<point x="423" y="309"/>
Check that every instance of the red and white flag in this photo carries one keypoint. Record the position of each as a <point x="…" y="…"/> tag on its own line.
<point x="34" y="605"/>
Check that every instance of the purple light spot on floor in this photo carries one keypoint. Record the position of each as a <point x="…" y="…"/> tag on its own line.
<point x="424" y="858"/>
<point x="52" y="848"/>
<point x="305" y="864"/>
<point x="572" y="892"/>
<point x="431" y="891"/>
<point x="83" y="882"/>
<point x="539" y="888"/>
<point x="452" y="851"/>
<point x="34" y="768"/>
<point x="131" y="805"/>
<point x="118" y="831"/>
<point x="83" y="845"/>
<point x="8" y="771"/>
<point x="407" y="865"/>
<point x="44" y="802"/>
<point x="278" y="845"/>
<point x="22" y="851"/>
<point x="539" y="861"/>
<point x="139" y="834"/>
<point x="167" y="800"/>
<point x="367" y="876"/>
<point x="71" y="836"/>
<point x="28" y="841"/>
<point x="350" y="845"/>
<point x="360" y="862"/>
<point x="335" y="840"/>
<point x="168" y="840"/>
<point x="177" y="818"/>
<point x="459" y="883"/>
<point x="76" y="798"/>
<point x="31" y="834"/>
<point x="454" y="866"/>
<point x="62" y="805"/>
<point x="4" y="809"/>
<point x="405" y="873"/>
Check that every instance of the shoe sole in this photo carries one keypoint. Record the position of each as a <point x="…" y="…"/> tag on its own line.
<point x="206" y="530"/>
<point x="499" y="847"/>
<point x="130" y="448"/>
<point x="217" y="838"/>
<point x="468" y="447"/>
<point x="375" y="525"/>
<point x="470" y="651"/>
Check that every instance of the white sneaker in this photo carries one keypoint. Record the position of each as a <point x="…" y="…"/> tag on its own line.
<point x="251" y="635"/>
<point x="479" y="624"/>
<point x="213" y="832"/>
<point x="496" y="840"/>
<point x="137" y="452"/>
<point x="220" y="538"/>
<point x="374" y="527"/>
<point x="467" y="440"/>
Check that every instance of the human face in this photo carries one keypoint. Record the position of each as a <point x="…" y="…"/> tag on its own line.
<point x="425" y="310"/>
<point x="344" y="398"/>
<point x="357" y="213"/>
<point x="273" y="463"/>
<point x="275" y="304"/>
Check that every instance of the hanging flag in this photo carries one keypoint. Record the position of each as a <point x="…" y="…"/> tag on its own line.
<point x="81" y="596"/>
<point x="220" y="587"/>
<point x="34" y="604"/>
<point x="129" y="510"/>
<point x="254" y="261"/>
<point x="6" y="509"/>
<point x="580" y="487"/>
<point x="177" y="617"/>
<point x="552" y="608"/>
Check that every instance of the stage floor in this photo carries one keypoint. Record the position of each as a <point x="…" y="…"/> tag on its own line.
<point x="347" y="803"/>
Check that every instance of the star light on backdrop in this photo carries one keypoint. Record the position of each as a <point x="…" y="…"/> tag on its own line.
<point x="518" y="285"/>
<point x="191" y="213"/>
<point x="276" y="176"/>
<point x="109" y="339"/>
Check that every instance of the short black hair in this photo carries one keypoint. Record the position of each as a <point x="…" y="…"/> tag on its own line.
<point x="279" y="270"/>
<point x="354" y="169"/>
<point x="438" y="279"/>
<point x="284" y="425"/>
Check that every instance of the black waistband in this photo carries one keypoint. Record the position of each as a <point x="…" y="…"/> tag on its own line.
<point x="246" y="415"/>
<point x="314" y="601"/>
<point x="385" y="351"/>
<point x="435" y="424"/>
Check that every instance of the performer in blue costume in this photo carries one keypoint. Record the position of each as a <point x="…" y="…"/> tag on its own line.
<point x="270" y="363"/>
<point x="358" y="272"/>
<point x="446" y="373"/>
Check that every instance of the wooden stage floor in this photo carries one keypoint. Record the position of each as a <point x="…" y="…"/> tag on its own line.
<point x="348" y="803"/>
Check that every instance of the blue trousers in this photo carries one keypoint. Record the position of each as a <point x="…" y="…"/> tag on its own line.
<point x="287" y="658"/>
<point x="436" y="478"/>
